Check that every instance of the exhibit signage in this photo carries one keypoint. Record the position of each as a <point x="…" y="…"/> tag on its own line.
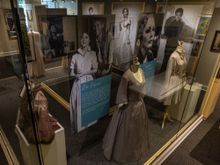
<point x="95" y="98"/>
<point x="149" y="69"/>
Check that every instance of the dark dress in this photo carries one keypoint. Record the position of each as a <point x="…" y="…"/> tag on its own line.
<point x="126" y="138"/>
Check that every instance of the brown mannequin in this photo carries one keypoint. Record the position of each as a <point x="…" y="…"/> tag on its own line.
<point x="45" y="124"/>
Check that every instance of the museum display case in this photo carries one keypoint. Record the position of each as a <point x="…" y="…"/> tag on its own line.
<point x="109" y="81"/>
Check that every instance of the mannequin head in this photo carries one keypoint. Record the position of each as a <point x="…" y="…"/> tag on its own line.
<point x="180" y="47"/>
<point x="85" y="40"/>
<point x="135" y="65"/>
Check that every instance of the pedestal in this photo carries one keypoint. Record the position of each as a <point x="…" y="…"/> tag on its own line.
<point x="185" y="109"/>
<point x="52" y="154"/>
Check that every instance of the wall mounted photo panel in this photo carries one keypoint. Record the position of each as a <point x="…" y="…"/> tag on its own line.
<point x="93" y="8"/>
<point x="125" y="30"/>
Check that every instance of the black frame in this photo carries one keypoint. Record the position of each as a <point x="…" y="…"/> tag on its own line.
<point x="213" y="48"/>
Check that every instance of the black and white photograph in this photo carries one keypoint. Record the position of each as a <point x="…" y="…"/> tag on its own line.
<point x="146" y="38"/>
<point x="180" y="22"/>
<point x="95" y="8"/>
<point x="100" y="41"/>
<point x="216" y="42"/>
<point x="11" y="30"/>
<point x="52" y="36"/>
<point x="126" y="20"/>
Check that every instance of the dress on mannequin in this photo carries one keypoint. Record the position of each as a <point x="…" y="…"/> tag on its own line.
<point x="175" y="76"/>
<point x="126" y="138"/>
<point x="37" y="67"/>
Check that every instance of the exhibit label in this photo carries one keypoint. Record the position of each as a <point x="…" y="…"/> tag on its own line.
<point x="95" y="98"/>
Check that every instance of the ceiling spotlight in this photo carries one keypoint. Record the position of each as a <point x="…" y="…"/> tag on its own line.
<point x="63" y="1"/>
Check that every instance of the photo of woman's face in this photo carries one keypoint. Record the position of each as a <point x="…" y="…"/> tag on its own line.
<point x="125" y="13"/>
<point x="149" y="33"/>
<point x="85" y="40"/>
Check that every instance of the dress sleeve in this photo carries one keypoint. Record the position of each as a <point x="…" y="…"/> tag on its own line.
<point x="169" y="69"/>
<point x="122" y="95"/>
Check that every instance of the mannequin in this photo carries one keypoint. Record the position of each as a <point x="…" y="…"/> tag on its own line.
<point x="126" y="138"/>
<point x="175" y="79"/>
<point x="175" y="76"/>
<point x="37" y="67"/>
<point x="83" y="66"/>
<point x="46" y="124"/>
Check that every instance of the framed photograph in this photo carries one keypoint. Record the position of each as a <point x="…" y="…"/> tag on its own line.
<point x="216" y="42"/>
<point x="197" y="47"/>
<point x="203" y="26"/>
<point x="11" y="30"/>
<point x="93" y="8"/>
<point x="125" y="30"/>
<point x="52" y="35"/>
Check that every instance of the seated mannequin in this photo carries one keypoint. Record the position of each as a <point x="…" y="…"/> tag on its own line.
<point x="45" y="124"/>
<point x="126" y="138"/>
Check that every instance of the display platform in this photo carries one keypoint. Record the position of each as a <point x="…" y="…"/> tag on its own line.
<point x="53" y="153"/>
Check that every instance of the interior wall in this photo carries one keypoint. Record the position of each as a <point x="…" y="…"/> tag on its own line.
<point x="208" y="59"/>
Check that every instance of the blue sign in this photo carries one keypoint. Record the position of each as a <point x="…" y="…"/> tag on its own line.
<point x="95" y="98"/>
<point x="149" y="69"/>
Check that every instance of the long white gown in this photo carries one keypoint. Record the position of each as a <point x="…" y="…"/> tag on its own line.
<point x="175" y="77"/>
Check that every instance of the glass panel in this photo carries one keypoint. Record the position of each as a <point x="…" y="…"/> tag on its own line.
<point x="18" y="142"/>
<point x="119" y="80"/>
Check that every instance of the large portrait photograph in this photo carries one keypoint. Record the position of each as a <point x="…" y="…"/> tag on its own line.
<point x="125" y="30"/>
<point x="146" y="38"/>
<point x="94" y="8"/>
<point x="90" y="69"/>
<point x="180" y="22"/>
<point x="100" y="41"/>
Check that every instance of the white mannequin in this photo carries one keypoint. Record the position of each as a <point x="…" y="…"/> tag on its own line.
<point x="36" y="67"/>
<point x="175" y="76"/>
